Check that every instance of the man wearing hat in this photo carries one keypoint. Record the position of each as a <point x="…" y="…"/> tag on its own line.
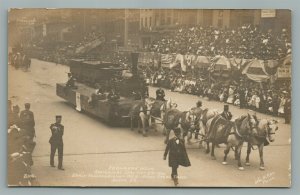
<point x="56" y="141"/>
<point x="226" y="114"/>
<point x="27" y="121"/>
<point x="177" y="154"/>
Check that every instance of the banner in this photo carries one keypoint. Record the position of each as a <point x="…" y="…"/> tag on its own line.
<point x="167" y="60"/>
<point x="202" y="61"/>
<point x="284" y="72"/>
<point x="285" y="69"/>
<point x="222" y="63"/>
<point x="255" y="71"/>
<point x="189" y="60"/>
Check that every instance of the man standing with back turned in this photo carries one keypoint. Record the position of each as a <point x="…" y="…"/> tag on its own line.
<point x="56" y="141"/>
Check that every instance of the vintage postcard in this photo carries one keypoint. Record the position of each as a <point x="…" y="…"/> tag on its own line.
<point x="149" y="97"/>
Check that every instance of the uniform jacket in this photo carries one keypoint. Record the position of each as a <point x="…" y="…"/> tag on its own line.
<point x="27" y="118"/>
<point x="177" y="153"/>
<point x="57" y="131"/>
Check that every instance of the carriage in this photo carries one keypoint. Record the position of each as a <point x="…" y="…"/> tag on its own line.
<point x="89" y="75"/>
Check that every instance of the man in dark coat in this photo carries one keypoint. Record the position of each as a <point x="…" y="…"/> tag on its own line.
<point x="177" y="154"/>
<point x="56" y="142"/>
<point x="226" y="114"/>
<point x="160" y="94"/>
<point x="27" y="121"/>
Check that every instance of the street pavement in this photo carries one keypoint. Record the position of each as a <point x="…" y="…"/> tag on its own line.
<point x="96" y="154"/>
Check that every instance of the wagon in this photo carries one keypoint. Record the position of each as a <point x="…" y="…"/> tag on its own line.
<point x="87" y="74"/>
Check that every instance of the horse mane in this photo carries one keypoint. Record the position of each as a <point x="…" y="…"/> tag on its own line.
<point x="240" y="120"/>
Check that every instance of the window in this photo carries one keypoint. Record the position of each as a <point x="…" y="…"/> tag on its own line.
<point x="146" y="22"/>
<point x="150" y="21"/>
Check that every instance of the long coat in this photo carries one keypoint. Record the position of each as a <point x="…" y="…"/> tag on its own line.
<point x="177" y="153"/>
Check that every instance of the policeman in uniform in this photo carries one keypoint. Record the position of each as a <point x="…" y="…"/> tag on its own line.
<point x="226" y="114"/>
<point x="56" y="142"/>
<point x="27" y="121"/>
<point x="160" y="94"/>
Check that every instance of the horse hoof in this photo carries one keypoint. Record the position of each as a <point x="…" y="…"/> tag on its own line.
<point x="213" y="158"/>
<point x="262" y="168"/>
<point x="145" y="135"/>
<point x="207" y="151"/>
<point x="139" y="132"/>
<point x="224" y="163"/>
<point x="247" y="164"/>
<point x="241" y="168"/>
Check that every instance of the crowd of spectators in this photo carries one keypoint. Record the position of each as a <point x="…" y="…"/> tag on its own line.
<point x="273" y="99"/>
<point x="246" y="41"/>
<point x="20" y="148"/>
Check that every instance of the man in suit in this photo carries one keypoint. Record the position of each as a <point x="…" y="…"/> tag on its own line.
<point x="27" y="121"/>
<point x="56" y="142"/>
<point x="226" y="114"/>
<point x="177" y="154"/>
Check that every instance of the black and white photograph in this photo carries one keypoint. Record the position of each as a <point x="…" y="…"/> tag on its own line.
<point x="149" y="97"/>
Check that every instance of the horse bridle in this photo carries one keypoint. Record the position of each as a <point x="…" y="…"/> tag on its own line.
<point x="268" y="133"/>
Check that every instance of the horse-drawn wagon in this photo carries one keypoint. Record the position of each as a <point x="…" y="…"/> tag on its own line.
<point x="94" y="77"/>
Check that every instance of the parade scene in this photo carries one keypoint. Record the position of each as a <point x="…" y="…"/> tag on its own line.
<point x="149" y="98"/>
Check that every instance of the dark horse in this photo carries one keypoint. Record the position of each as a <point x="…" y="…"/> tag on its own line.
<point x="174" y="118"/>
<point x="202" y="116"/>
<point x="159" y="109"/>
<point x="233" y="134"/>
<point x="265" y="133"/>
